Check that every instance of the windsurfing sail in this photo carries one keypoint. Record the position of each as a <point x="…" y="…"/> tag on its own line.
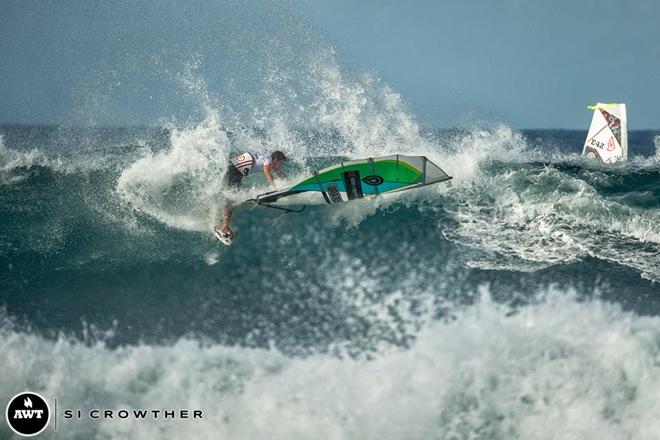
<point x="358" y="179"/>
<point x="607" y="139"/>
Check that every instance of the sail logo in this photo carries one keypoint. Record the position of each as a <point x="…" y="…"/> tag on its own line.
<point x="27" y="414"/>
<point x="333" y="193"/>
<point x="373" y="180"/>
<point x="353" y="185"/>
<point x="610" y="144"/>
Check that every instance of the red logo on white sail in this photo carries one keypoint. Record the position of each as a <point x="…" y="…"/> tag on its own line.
<point x="611" y="144"/>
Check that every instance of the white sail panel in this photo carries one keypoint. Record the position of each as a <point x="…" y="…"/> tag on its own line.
<point x="607" y="140"/>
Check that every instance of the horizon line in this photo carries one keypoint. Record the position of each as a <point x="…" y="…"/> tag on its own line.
<point x="421" y="126"/>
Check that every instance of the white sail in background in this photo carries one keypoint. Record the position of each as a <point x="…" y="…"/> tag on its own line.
<point x="607" y="139"/>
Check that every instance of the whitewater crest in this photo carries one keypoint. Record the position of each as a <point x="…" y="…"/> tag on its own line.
<point x="489" y="372"/>
<point x="170" y="185"/>
<point x="535" y="217"/>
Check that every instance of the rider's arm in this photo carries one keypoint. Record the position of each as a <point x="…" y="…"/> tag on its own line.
<point x="269" y="175"/>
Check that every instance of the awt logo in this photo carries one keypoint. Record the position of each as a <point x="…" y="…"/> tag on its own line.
<point x="27" y="414"/>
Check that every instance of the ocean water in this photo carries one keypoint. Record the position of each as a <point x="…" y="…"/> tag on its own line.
<point x="520" y="300"/>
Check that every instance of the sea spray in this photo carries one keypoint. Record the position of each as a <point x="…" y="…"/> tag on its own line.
<point x="490" y="371"/>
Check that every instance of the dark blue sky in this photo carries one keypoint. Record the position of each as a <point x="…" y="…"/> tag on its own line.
<point x="530" y="64"/>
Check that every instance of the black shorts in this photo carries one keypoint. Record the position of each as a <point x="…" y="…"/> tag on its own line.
<point x="233" y="177"/>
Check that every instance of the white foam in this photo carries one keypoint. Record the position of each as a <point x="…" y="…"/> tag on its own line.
<point x="179" y="186"/>
<point x="212" y="258"/>
<point x="368" y="114"/>
<point x="529" y="219"/>
<point x="78" y="160"/>
<point x="11" y="159"/>
<point x="560" y="368"/>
